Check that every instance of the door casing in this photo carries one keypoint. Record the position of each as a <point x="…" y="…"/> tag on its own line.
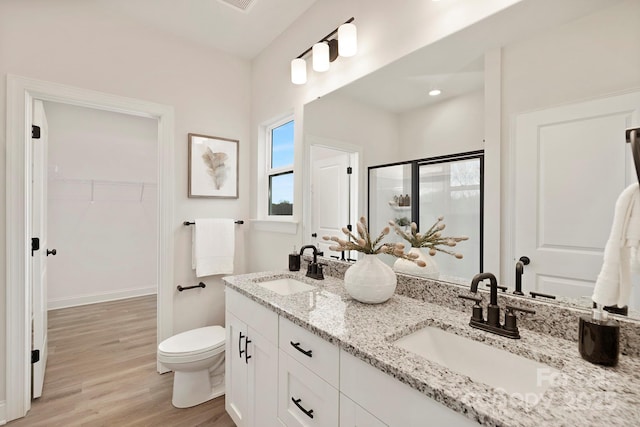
<point x="20" y="93"/>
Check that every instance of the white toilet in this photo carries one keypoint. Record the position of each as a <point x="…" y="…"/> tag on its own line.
<point x="197" y="359"/>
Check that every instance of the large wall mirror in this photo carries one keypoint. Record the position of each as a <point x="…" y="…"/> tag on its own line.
<point x="567" y="85"/>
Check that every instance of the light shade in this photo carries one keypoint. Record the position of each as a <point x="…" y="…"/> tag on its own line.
<point x="347" y="40"/>
<point x="320" y="57"/>
<point x="298" y="71"/>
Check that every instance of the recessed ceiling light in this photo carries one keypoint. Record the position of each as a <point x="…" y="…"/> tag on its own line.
<point x="435" y="92"/>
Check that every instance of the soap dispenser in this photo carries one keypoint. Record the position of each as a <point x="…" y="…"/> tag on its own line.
<point x="294" y="260"/>
<point x="599" y="338"/>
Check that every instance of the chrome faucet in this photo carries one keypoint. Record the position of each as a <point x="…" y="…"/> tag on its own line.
<point x="519" y="272"/>
<point x="492" y="324"/>
<point x="314" y="270"/>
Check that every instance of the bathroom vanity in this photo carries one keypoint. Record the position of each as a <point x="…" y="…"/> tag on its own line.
<point x="405" y="362"/>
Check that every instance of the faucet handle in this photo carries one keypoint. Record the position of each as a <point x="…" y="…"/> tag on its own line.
<point x="477" y="300"/>
<point x="477" y="315"/>
<point x="521" y="309"/>
<point x="510" y="319"/>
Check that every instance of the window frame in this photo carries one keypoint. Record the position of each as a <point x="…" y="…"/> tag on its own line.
<point x="282" y="170"/>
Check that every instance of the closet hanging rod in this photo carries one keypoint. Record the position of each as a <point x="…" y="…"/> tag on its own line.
<point x="633" y="137"/>
<point x="238" y="221"/>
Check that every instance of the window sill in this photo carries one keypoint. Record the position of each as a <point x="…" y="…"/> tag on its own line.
<point x="275" y="225"/>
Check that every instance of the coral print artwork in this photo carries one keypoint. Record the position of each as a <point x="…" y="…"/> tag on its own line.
<point x="213" y="166"/>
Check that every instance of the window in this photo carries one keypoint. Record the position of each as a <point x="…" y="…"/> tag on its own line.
<point x="280" y="168"/>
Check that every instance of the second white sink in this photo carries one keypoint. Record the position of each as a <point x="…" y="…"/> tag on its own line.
<point x="286" y="286"/>
<point x="516" y="375"/>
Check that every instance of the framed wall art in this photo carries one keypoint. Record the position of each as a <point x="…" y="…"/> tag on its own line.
<point x="213" y="166"/>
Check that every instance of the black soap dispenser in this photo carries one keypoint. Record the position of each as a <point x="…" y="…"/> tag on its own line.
<point x="599" y="338"/>
<point x="294" y="260"/>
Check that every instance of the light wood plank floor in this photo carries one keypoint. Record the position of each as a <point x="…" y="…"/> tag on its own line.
<point x="101" y="371"/>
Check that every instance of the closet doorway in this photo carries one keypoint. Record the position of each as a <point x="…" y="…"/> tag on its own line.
<point x="21" y="94"/>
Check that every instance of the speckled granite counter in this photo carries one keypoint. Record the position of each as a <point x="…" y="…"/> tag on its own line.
<point x="584" y="394"/>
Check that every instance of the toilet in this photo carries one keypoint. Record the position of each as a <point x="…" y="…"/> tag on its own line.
<point x="197" y="359"/>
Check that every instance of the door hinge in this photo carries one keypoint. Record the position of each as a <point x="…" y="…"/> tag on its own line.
<point x="349" y="170"/>
<point x="35" y="244"/>
<point x="35" y="132"/>
<point x="35" y="356"/>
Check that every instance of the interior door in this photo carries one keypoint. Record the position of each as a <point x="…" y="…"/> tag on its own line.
<point x="329" y="198"/>
<point x="571" y="164"/>
<point x="39" y="257"/>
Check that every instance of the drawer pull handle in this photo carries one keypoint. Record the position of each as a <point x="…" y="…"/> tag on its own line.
<point x="240" y="350"/>
<point x="246" y="350"/>
<point x="296" y="345"/>
<point x="308" y="413"/>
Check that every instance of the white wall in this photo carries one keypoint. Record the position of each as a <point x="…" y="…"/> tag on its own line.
<point x="452" y="126"/>
<point x="66" y="42"/>
<point x="584" y="59"/>
<point x="386" y="32"/>
<point x="102" y="214"/>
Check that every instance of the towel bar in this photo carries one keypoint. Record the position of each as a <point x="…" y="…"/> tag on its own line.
<point x="184" y="288"/>
<point x="238" y="221"/>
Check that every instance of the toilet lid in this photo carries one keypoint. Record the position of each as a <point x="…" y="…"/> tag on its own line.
<point x="194" y="341"/>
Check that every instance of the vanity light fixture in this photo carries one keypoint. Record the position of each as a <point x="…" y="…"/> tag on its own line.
<point x="435" y="92"/>
<point x="326" y="51"/>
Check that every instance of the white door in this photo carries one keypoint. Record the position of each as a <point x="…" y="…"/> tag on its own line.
<point x="571" y="163"/>
<point x="39" y="257"/>
<point x="329" y="199"/>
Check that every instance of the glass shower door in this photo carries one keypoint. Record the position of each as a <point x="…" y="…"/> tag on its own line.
<point x="452" y="189"/>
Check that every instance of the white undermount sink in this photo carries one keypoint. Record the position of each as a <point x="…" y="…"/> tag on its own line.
<point x="516" y="375"/>
<point x="286" y="286"/>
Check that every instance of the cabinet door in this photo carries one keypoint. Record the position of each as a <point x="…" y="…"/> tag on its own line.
<point x="262" y="381"/>
<point x="353" y="415"/>
<point x="236" y="400"/>
<point x="304" y="399"/>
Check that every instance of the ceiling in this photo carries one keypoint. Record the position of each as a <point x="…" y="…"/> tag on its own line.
<point x="455" y="64"/>
<point x="213" y="23"/>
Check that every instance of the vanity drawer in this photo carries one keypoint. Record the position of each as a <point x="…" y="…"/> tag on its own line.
<point x="320" y="356"/>
<point x="305" y="399"/>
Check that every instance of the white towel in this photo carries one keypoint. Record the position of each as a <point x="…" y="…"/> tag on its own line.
<point x="613" y="285"/>
<point x="213" y="246"/>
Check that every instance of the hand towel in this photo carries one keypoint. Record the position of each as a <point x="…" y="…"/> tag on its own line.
<point x="213" y="246"/>
<point x="613" y="285"/>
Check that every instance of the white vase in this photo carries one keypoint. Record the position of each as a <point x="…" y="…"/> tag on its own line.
<point x="430" y="271"/>
<point x="370" y="280"/>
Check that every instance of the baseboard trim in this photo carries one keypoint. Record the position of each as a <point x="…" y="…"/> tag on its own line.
<point x="3" y="413"/>
<point x="55" y="304"/>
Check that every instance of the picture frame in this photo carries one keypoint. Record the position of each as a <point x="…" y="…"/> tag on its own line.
<point x="213" y="167"/>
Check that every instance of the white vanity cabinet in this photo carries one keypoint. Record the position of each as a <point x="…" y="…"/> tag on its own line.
<point x="251" y="362"/>
<point x="308" y="378"/>
<point x="390" y="401"/>
<point x="280" y="374"/>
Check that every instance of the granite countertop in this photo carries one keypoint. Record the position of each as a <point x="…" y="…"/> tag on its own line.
<point x="582" y="394"/>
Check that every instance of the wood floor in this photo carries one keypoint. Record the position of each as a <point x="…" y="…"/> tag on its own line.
<point x="101" y="371"/>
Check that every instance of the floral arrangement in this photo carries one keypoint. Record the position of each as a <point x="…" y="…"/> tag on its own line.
<point x="365" y="244"/>
<point x="432" y="239"/>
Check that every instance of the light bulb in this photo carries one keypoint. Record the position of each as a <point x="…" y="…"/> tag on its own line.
<point x="320" y="57"/>
<point x="435" y="92"/>
<point x="298" y="71"/>
<point x="347" y="40"/>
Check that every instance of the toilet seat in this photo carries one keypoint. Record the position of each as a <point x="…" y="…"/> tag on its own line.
<point x="193" y="345"/>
